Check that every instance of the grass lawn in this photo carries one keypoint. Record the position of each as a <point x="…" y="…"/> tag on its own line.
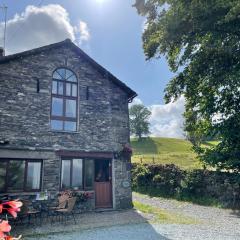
<point x="163" y="216"/>
<point x="165" y="151"/>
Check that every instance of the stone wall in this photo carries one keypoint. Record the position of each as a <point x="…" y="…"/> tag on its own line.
<point x="25" y="114"/>
<point x="122" y="184"/>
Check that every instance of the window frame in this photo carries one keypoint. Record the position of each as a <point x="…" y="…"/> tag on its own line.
<point x="64" y="97"/>
<point x="26" y="161"/>
<point x="84" y="188"/>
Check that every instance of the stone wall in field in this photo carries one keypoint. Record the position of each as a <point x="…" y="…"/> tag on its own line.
<point x="197" y="185"/>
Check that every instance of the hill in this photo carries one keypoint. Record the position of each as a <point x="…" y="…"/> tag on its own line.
<point x="165" y="151"/>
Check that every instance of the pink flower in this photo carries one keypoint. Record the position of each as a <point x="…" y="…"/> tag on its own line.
<point x="4" y="228"/>
<point x="12" y="207"/>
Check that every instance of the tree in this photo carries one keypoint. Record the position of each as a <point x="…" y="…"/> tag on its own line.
<point x="201" y="41"/>
<point x="139" y="124"/>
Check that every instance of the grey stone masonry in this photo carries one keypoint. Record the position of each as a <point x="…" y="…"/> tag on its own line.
<point x="25" y="114"/>
<point x="103" y="118"/>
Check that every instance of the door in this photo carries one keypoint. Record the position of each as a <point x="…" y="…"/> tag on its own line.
<point x="103" y="183"/>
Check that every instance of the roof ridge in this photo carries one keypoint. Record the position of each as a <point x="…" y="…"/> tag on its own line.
<point x="130" y="92"/>
<point x="4" y="58"/>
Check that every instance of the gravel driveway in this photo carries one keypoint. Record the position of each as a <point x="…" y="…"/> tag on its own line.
<point x="214" y="224"/>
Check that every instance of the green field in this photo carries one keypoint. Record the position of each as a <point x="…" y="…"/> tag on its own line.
<point x="165" y="151"/>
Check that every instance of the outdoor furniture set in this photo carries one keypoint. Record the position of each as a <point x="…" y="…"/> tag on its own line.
<point x="35" y="211"/>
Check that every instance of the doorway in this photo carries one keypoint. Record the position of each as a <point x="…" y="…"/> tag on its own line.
<point x="103" y="183"/>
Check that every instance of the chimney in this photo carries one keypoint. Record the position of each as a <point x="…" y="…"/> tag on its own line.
<point x="1" y="52"/>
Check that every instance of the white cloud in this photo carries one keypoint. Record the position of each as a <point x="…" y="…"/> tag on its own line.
<point x="39" y="26"/>
<point x="135" y="101"/>
<point x="167" y="119"/>
<point x="84" y="32"/>
<point x="144" y="25"/>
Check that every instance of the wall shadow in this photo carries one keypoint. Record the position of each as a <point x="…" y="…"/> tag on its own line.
<point x="145" y="146"/>
<point x="121" y="225"/>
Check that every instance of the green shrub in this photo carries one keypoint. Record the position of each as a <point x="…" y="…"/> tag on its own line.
<point x="196" y="185"/>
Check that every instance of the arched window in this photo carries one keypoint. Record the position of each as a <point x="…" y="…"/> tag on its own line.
<point x="64" y="100"/>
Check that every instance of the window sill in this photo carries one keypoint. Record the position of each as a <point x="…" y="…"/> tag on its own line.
<point x="78" y="191"/>
<point x="19" y="193"/>
<point x="61" y="131"/>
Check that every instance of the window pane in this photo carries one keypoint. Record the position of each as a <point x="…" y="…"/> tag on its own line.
<point x="68" y="73"/>
<point x="33" y="175"/>
<point x="60" y="88"/>
<point x="68" y="89"/>
<point x="70" y="108"/>
<point x="56" y="125"/>
<point x="74" y="90"/>
<point x="57" y="106"/>
<point x="16" y="175"/>
<point x="66" y="166"/>
<point x="54" y="87"/>
<point x="3" y="166"/>
<point x="62" y="72"/>
<point x="77" y="173"/>
<point x="72" y="78"/>
<point x="70" y="126"/>
<point x="89" y="173"/>
<point x="57" y="76"/>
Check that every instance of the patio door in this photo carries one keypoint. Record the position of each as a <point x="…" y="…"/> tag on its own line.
<point x="103" y="183"/>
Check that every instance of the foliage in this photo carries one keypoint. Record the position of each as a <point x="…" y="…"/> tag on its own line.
<point x="201" y="41"/>
<point x="139" y="124"/>
<point x="81" y="196"/>
<point x="195" y="185"/>
<point x="165" y="151"/>
<point x="141" y="176"/>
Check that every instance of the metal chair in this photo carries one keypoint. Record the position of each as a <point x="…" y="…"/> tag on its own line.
<point x="62" y="202"/>
<point x="68" y="211"/>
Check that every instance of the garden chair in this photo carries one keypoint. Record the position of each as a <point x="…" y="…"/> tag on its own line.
<point x="62" y="202"/>
<point x="68" y="211"/>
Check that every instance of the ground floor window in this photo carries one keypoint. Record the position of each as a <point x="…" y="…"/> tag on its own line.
<point x="20" y="175"/>
<point x="77" y="174"/>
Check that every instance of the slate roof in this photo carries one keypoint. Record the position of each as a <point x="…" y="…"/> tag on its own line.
<point x="69" y="43"/>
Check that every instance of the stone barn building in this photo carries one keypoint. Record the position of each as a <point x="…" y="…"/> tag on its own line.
<point x="63" y="123"/>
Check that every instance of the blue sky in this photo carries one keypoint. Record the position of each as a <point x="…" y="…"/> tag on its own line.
<point x="110" y="32"/>
<point x="115" y="42"/>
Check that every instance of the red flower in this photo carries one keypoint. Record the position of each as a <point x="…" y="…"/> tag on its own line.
<point x="4" y="228"/>
<point x="12" y="207"/>
<point x="127" y="149"/>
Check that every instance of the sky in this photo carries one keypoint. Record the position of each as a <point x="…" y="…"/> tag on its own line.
<point x="110" y="32"/>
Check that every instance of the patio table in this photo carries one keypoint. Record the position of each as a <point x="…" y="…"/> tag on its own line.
<point x="43" y="206"/>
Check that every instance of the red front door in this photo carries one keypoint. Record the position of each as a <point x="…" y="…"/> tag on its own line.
<point x="103" y="183"/>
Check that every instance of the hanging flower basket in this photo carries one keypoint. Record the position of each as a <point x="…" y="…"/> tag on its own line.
<point x="126" y="153"/>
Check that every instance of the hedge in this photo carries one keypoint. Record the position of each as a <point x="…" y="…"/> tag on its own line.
<point x="171" y="181"/>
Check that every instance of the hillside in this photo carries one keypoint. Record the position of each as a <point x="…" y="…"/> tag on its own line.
<point x="165" y="151"/>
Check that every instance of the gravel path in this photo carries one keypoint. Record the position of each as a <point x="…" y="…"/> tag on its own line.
<point x="215" y="224"/>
